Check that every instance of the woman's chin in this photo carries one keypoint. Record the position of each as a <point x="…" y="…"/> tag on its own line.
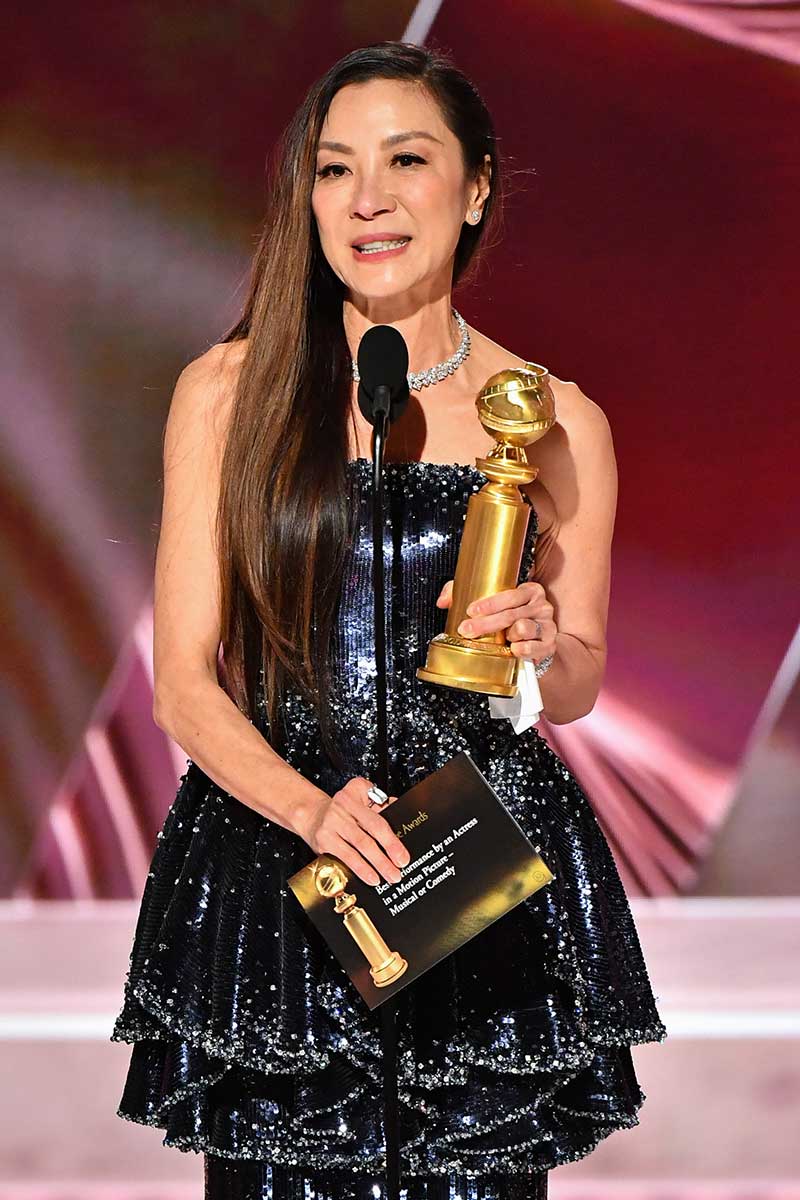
<point x="376" y="290"/>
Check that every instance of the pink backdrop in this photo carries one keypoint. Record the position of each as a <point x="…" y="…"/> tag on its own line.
<point x="650" y="256"/>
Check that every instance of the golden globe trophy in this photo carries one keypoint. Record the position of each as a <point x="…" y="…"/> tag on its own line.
<point x="516" y="407"/>
<point x="331" y="879"/>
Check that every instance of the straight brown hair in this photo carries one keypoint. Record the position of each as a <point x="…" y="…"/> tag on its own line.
<point x="282" y="522"/>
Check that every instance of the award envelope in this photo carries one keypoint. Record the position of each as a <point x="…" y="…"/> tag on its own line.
<point x="470" y="864"/>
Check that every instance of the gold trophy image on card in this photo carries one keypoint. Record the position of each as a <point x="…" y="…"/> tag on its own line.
<point x="330" y="880"/>
<point x="516" y="407"/>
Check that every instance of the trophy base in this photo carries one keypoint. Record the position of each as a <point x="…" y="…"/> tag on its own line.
<point x="473" y="667"/>
<point x="389" y="970"/>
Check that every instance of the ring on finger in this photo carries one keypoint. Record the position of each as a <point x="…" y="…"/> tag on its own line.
<point x="377" y="797"/>
<point x="538" y="625"/>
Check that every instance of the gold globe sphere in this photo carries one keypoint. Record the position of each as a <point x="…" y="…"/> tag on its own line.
<point x="517" y="406"/>
<point x="329" y="877"/>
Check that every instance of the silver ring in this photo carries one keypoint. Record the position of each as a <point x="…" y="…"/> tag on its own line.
<point x="378" y="797"/>
<point x="538" y="625"/>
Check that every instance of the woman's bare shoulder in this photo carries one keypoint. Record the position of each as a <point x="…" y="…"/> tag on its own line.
<point x="202" y="399"/>
<point x="208" y="382"/>
<point x="573" y="406"/>
<point x="579" y="434"/>
<point x="221" y="361"/>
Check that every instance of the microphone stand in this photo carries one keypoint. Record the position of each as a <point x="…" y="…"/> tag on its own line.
<point x="388" y="1009"/>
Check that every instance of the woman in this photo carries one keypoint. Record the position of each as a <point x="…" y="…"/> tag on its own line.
<point x="251" y="1045"/>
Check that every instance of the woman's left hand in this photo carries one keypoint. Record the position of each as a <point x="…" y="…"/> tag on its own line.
<point x="524" y="613"/>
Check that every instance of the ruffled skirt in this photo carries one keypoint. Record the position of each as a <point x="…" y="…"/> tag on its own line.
<point x="252" y="1046"/>
<point x="253" y="1180"/>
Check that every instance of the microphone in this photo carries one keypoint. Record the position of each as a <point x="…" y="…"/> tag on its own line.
<point x="383" y="369"/>
<point x="383" y="395"/>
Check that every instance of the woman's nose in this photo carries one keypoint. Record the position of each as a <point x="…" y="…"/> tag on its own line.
<point x="371" y="199"/>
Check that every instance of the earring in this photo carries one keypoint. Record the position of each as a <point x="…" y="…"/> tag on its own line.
<point x="476" y="216"/>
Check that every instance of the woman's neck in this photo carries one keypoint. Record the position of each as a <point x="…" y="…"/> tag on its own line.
<point x="430" y="330"/>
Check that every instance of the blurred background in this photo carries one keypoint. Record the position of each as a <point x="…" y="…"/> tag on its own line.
<point x="651" y="254"/>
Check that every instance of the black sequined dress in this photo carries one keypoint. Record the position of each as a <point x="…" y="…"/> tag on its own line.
<point x="250" y="1041"/>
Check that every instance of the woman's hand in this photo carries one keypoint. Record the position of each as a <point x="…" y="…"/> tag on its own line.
<point x="345" y="825"/>
<point x="524" y="613"/>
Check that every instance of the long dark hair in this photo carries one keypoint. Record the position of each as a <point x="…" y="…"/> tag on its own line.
<point x="282" y="521"/>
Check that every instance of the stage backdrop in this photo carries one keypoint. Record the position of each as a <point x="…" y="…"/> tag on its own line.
<point x="650" y="255"/>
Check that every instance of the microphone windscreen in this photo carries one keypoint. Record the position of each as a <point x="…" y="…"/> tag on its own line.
<point x="383" y="359"/>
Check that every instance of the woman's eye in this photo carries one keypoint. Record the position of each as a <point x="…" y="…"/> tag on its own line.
<point x="324" y="172"/>
<point x="337" y="169"/>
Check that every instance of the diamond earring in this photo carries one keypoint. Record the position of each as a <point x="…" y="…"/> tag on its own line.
<point x="476" y="216"/>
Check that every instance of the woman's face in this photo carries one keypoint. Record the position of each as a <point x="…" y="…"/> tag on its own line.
<point x="388" y="168"/>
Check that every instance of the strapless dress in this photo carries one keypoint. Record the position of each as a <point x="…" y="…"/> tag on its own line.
<point x="250" y="1043"/>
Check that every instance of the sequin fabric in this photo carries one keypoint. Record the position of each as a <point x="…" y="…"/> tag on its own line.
<point x="251" y="1045"/>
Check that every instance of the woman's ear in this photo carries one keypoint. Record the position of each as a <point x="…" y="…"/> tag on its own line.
<point x="482" y="185"/>
<point x="487" y="174"/>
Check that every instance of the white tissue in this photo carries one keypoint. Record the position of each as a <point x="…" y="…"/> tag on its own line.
<point x="524" y="708"/>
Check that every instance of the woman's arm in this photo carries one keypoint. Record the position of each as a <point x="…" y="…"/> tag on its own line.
<point x="573" y="557"/>
<point x="189" y="704"/>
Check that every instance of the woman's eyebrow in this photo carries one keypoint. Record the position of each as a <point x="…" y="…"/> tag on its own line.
<point x="407" y="137"/>
<point x="393" y="140"/>
<point x="339" y="147"/>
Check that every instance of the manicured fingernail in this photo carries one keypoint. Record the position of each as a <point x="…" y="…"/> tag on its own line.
<point x="473" y="608"/>
<point x="465" y="628"/>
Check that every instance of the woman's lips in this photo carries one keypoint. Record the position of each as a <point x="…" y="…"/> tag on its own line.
<point x="380" y="255"/>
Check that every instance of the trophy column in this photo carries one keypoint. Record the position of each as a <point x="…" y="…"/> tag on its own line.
<point x="516" y="407"/>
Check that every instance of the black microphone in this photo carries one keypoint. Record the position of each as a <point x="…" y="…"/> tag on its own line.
<point x="383" y="393"/>
<point x="383" y="370"/>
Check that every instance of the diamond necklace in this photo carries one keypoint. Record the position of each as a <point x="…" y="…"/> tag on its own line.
<point x="421" y="379"/>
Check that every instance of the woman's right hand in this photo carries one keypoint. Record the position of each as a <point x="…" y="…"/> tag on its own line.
<point x="345" y="825"/>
